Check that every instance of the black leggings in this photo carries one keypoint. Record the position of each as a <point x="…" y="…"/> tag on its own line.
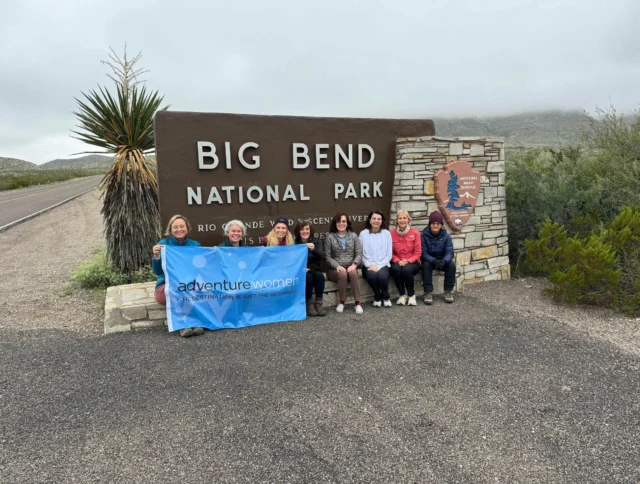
<point x="315" y="279"/>
<point x="379" y="282"/>
<point x="403" y="277"/>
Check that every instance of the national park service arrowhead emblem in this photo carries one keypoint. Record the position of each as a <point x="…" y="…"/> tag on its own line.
<point x="457" y="187"/>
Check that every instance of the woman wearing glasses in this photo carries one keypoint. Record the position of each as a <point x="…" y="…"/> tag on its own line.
<point x="343" y="253"/>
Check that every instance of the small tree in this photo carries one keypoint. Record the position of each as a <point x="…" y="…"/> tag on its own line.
<point x="122" y="125"/>
<point x="452" y="190"/>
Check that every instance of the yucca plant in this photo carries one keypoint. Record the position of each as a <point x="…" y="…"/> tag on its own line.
<point x="123" y="126"/>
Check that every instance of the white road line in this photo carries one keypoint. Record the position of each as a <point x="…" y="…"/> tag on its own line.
<point x="46" y="191"/>
<point x="15" y="222"/>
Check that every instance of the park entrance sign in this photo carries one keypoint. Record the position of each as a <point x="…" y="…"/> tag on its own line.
<point x="213" y="168"/>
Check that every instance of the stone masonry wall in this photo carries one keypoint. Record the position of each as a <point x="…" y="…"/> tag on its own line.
<point x="481" y="247"/>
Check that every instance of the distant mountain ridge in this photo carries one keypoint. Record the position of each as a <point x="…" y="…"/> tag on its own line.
<point x="90" y="162"/>
<point x="544" y="128"/>
<point x="13" y="164"/>
<point x="84" y="162"/>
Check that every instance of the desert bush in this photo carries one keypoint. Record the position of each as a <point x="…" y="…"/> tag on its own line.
<point x="601" y="269"/>
<point x="98" y="273"/>
<point x="582" y="188"/>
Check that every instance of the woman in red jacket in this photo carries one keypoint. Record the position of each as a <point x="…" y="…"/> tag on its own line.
<point x="405" y="260"/>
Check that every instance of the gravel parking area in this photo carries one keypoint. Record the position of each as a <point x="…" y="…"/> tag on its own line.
<point x="38" y="256"/>
<point x="502" y="386"/>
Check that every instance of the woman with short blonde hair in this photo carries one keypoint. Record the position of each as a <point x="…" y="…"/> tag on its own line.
<point x="405" y="258"/>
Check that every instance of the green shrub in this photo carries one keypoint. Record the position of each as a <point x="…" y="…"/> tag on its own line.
<point x="623" y="234"/>
<point x="98" y="273"/>
<point x="586" y="272"/>
<point x="601" y="269"/>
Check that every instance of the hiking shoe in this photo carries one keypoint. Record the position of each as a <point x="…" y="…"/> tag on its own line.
<point x="340" y="308"/>
<point x="402" y="300"/>
<point x="428" y="299"/>
<point x="198" y="331"/>
<point x="359" y="309"/>
<point x="412" y="301"/>
<point x="377" y="304"/>
<point x="319" y="309"/>
<point x="448" y="296"/>
<point x="387" y="304"/>
<point x="311" y="309"/>
<point x="186" y="332"/>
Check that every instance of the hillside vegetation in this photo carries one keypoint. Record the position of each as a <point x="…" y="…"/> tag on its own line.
<point x="548" y="128"/>
<point x="89" y="162"/>
<point x="15" y="165"/>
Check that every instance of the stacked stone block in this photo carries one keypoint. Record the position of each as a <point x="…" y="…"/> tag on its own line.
<point x="481" y="247"/>
<point x="132" y="307"/>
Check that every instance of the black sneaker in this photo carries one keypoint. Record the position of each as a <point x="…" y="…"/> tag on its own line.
<point x="428" y="299"/>
<point x="448" y="297"/>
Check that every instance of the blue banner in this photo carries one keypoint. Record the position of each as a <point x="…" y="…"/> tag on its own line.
<point x="234" y="287"/>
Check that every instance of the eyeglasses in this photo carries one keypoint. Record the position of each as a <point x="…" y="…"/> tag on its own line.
<point x="341" y="221"/>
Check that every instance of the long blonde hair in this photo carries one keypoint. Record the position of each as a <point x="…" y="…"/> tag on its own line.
<point x="272" y="238"/>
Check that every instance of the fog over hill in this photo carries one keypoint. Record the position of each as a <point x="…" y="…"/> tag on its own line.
<point x="548" y="128"/>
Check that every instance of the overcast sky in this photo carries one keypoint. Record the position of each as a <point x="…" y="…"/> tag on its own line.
<point x="396" y="58"/>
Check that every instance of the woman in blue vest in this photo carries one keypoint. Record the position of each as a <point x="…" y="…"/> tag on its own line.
<point x="176" y="235"/>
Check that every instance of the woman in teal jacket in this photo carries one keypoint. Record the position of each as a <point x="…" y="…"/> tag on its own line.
<point x="176" y="234"/>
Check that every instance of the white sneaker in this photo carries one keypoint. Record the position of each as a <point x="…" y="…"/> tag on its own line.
<point x="412" y="301"/>
<point x="377" y="304"/>
<point x="339" y="308"/>
<point x="387" y="303"/>
<point x="402" y="300"/>
<point x="359" y="309"/>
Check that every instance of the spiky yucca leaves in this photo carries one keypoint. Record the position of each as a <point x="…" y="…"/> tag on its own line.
<point x="124" y="126"/>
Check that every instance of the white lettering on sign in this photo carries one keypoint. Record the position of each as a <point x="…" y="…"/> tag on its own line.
<point x="300" y="150"/>
<point x="207" y="149"/>
<point x="361" y="149"/>
<point x="365" y="190"/>
<point x="254" y="194"/>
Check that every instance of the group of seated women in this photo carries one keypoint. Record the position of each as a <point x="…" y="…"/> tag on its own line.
<point x="400" y="253"/>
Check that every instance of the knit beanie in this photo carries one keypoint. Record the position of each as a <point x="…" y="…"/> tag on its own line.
<point x="281" y="220"/>
<point x="435" y="217"/>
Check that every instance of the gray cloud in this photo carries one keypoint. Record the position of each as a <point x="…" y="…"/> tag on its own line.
<point x="397" y="58"/>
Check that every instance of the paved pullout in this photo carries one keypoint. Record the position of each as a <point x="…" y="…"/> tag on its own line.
<point x="21" y="204"/>
<point x="450" y="393"/>
<point x="502" y="386"/>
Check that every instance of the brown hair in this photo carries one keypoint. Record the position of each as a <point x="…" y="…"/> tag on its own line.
<point x="333" y="228"/>
<point x="302" y="224"/>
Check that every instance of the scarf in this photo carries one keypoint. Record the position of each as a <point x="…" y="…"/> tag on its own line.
<point x="406" y="231"/>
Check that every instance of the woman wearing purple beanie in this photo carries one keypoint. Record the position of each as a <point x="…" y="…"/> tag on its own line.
<point x="437" y="253"/>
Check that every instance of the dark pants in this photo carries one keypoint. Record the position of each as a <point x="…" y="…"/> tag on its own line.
<point x="449" y="276"/>
<point x="403" y="277"/>
<point x="379" y="282"/>
<point x="315" y="279"/>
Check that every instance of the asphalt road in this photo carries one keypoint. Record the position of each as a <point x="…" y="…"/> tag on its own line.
<point x="17" y="204"/>
<point x="442" y="394"/>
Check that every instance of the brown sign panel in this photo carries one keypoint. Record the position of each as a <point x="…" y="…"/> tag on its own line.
<point x="457" y="187"/>
<point x="213" y="168"/>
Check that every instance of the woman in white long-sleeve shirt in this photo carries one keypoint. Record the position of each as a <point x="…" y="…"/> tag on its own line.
<point x="377" y="249"/>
